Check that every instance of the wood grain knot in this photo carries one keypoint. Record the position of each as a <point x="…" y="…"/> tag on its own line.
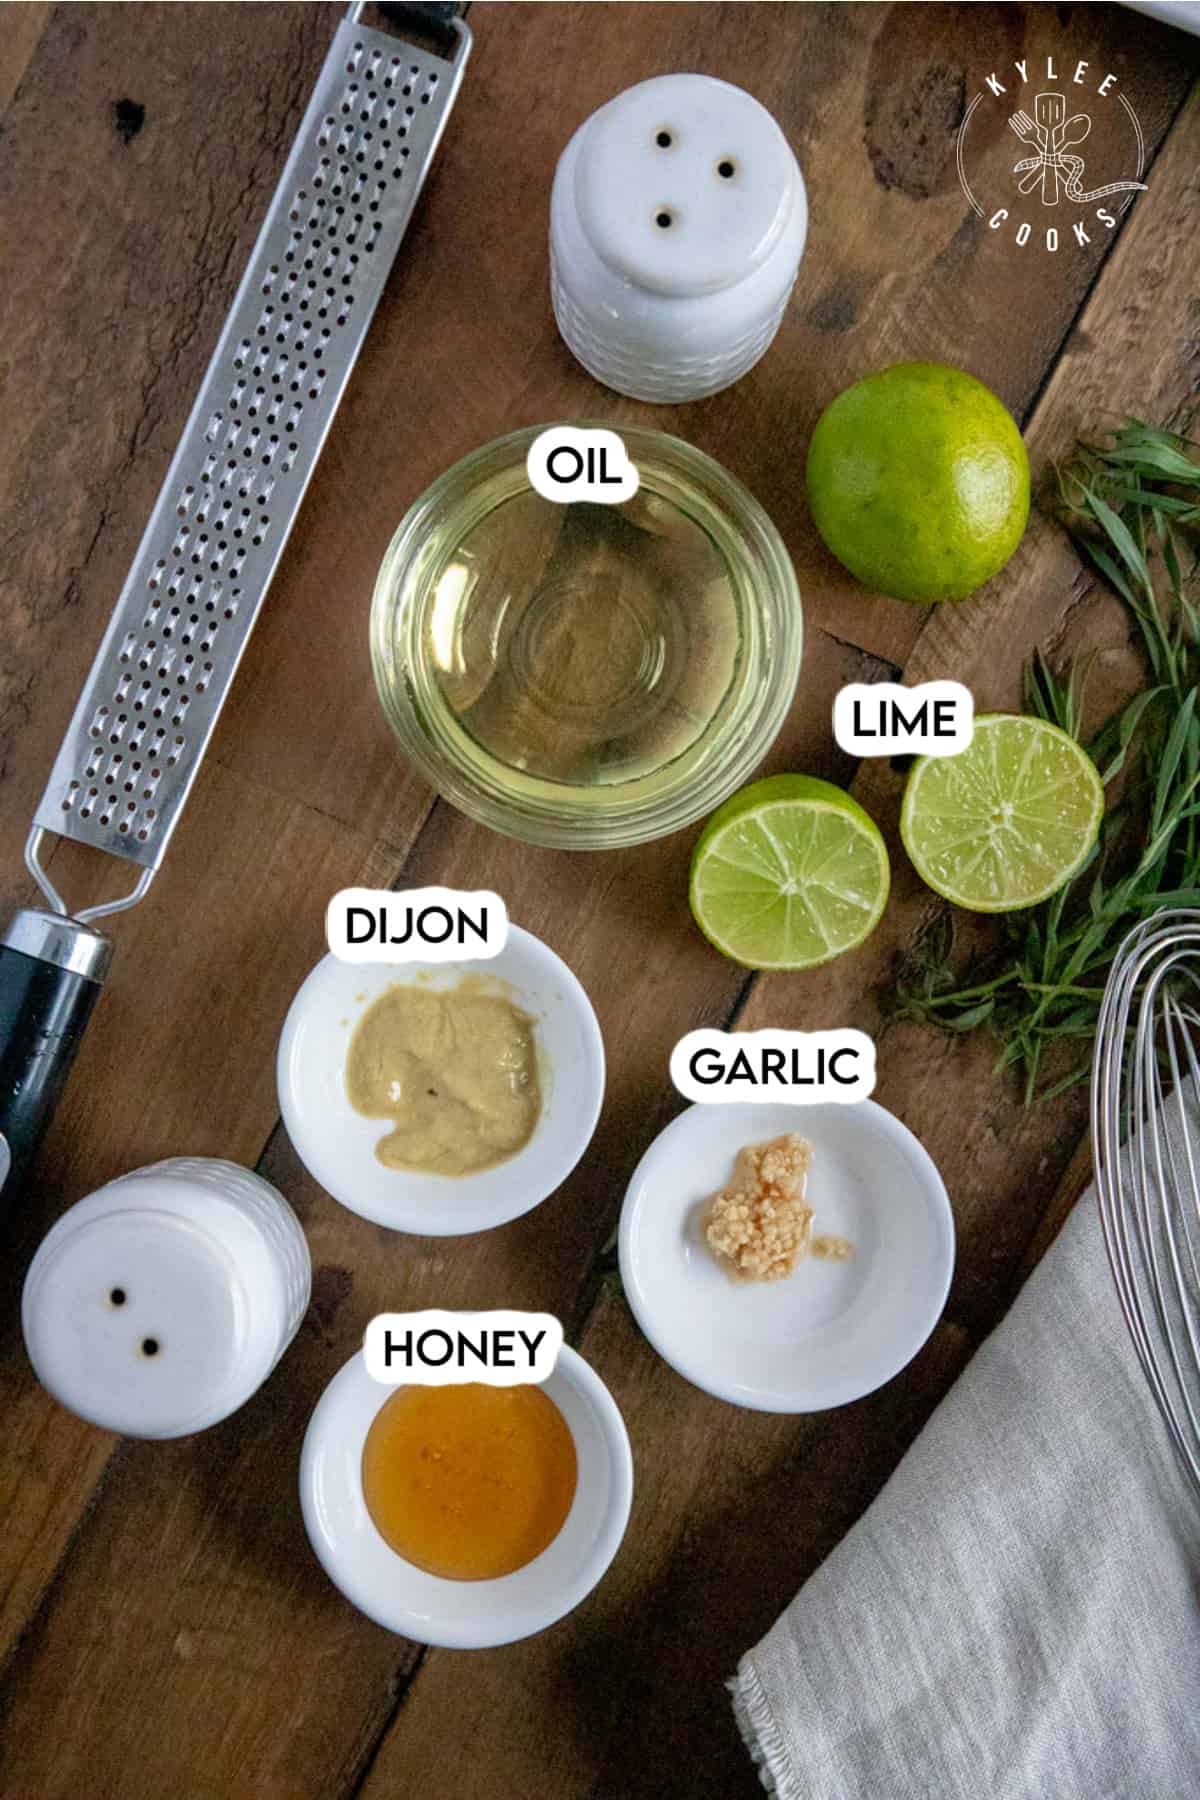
<point x="128" y="118"/>
<point x="332" y="1286"/>
<point x="910" y="128"/>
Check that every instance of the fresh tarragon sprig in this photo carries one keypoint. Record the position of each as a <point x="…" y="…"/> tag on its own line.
<point x="1133" y="506"/>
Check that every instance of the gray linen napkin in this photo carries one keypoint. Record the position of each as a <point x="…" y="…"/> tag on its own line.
<point x="1015" y="1617"/>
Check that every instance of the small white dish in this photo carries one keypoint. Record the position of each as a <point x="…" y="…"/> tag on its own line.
<point x="336" y="1144"/>
<point x="831" y="1331"/>
<point x="464" y="1615"/>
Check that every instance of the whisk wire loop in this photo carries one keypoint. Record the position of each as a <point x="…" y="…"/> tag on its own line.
<point x="1145" y="1085"/>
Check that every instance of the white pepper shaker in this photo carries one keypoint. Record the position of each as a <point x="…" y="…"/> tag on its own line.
<point x="160" y="1303"/>
<point x="677" y="223"/>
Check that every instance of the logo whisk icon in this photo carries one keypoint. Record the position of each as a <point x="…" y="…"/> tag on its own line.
<point x="1051" y="135"/>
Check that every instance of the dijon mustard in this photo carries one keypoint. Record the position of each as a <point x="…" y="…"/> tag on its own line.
<point x="454" y="1070"/>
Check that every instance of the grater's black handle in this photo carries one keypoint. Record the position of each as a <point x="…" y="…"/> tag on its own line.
<point x="50" y="974"/>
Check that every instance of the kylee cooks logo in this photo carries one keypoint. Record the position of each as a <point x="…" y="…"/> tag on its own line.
<point x="1047" y="186"/>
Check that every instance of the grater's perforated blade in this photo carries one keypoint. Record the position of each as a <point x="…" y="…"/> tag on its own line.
<point x="237" y="479"/>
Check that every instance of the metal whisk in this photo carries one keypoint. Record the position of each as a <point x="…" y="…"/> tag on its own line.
<point x="1146" y="1139"/>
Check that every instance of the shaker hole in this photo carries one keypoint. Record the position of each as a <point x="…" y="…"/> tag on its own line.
<point x="726" y="169"/>
<point x="663" y="139"/>
<point x="117" y="1296"/>
<point x="150" y="1346"/>
<point x="664" y="219"/>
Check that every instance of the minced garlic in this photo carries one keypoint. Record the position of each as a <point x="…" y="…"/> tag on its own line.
<point x="760" y="1223"/>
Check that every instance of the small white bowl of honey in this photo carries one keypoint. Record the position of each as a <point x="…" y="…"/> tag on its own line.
<point x="466" y="1515"/>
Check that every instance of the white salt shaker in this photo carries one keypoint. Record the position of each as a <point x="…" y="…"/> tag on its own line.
<point x="677" y="223"/>
<point x="160" y="1303"/>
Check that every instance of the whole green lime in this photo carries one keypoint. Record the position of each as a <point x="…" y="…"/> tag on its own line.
<point x="919" y="482"/>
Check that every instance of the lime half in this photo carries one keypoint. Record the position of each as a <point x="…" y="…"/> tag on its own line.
<point x="788" y="874"/>
<point x="1007" y="821"/>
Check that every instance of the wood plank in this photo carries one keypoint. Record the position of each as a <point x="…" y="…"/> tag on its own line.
<point x="21" y="25"/>
<point x="303" y="731"/>
<point x="1076" y="1177"/>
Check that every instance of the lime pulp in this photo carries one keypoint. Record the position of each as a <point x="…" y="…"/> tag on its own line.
<point x="1006" y="822"/>
<point x="789" y="873"/>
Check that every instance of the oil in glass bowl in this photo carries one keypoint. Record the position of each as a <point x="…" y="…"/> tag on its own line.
<point x="584" y="643"/>
<point x="581" y="673"/>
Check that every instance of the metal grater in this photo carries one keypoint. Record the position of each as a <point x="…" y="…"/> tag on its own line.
<point x="231" y="495"/>
<point x="235" y="485"/>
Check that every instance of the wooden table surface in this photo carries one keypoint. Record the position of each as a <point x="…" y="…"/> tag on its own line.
<point x="165" y="1627"/>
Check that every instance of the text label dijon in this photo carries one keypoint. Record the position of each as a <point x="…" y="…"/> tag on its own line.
<point x="373" y="925"/>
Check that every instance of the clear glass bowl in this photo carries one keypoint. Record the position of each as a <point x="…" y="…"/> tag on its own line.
<point x="586" y="676"/>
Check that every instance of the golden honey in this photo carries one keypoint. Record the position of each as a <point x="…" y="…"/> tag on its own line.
<point x="469" y="1482"/>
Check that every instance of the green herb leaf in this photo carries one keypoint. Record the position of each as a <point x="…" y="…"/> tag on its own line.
<point x="1129" y="503"/>
<point x="1123" y="541"/>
